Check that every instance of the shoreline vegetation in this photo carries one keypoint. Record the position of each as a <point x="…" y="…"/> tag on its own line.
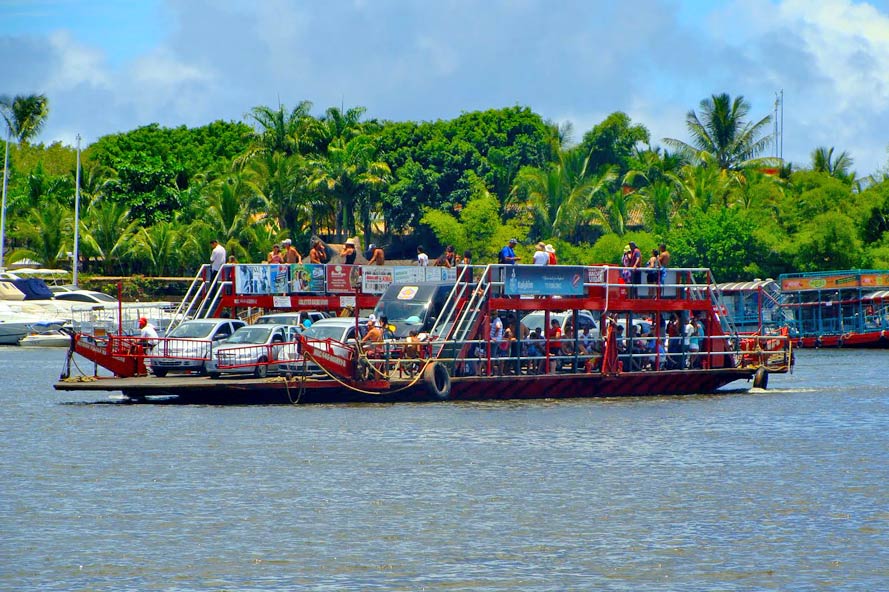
<point x="152" y="198"/>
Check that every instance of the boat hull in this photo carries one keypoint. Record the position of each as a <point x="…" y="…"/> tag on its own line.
<point x="874" y="339"/>
<point x="240" y="391"/>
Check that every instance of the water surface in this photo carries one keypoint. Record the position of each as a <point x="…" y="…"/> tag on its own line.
<point x="784" y="489"/>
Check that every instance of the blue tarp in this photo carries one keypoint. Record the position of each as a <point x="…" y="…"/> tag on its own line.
<point x="32" y="288"/>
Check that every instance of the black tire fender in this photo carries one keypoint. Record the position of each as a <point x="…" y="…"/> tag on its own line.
<point x="761" y="378"/>
<point x="438" y="381"/>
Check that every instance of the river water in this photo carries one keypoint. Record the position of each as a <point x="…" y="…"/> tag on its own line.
<point x="784" y="489"/>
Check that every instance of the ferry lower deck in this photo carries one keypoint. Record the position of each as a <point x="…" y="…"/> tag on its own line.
<point x="282" y="390"/>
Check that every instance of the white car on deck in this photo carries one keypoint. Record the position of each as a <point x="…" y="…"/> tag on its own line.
<point x="253" y="349"/>
<point x="341" y="329"/>
<point x="188" y="346"/>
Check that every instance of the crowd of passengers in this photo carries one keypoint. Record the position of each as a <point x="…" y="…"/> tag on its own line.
<point x="501" y="352"/>
<point x="678" y="346"/>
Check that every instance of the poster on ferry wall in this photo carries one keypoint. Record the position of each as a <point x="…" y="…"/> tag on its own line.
<point x="404" y="274"/>
<point x="343" y="278"/>
<point x="260" y="279"/>
<point x="307" y="278"/>
<point x="439" y="274"/>
<point x="548" y="280"/>
<point x="375" y="279"/>
<point x="820" y="282"/>
<point x="874" y="280"/>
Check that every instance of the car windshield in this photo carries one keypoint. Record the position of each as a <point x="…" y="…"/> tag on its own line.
<point x="193" y="330"/>
<point x="278" y="320"/>
<point x="318" y="331"/>
<point x="253" y="334"/>
<point x="411" y="313"/>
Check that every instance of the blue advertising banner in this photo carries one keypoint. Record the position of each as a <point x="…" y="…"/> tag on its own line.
<point x="544" y="280"/>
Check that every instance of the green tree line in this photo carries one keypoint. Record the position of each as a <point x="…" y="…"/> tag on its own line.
<point x="153" y="197"/>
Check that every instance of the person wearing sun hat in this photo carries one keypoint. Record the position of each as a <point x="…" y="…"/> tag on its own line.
<point x="552" y="254"/>
<point x="348" y="253"/>
<point x="541" y="257"/>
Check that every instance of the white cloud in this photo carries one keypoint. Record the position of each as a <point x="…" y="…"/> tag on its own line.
<point x="76" y="64"/>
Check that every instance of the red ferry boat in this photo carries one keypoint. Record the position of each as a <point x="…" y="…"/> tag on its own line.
<point x="467" y="333"/>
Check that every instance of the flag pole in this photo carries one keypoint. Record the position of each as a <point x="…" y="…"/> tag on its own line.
<point x="3" y="207"/>
<point x="77" y="214"/>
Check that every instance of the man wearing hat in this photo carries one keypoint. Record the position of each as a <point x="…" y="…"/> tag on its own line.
<point x="291" y="255"/>
<point x="348" y="253"/>
<point x="147" y="334"/>
<point x="507" y="254"/>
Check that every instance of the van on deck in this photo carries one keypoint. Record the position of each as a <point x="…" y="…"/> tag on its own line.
<point x="413" y="306"/>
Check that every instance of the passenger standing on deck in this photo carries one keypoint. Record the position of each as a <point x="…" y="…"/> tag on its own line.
<point x="147" y="335"/>
<point x="217" y="256"/>
<point x="275" y="256"/>
<point x="451" y="256"/>
<point x="348" y="253"/>
<point x="663" y="260"/>
<point x="541" y="257"/>
<point x="551" y="252"/>
<point x="496" y="339"/>
<point x="467" y="257"/>
<point x="422" y="257"/>
<point x="291" y="255"/>
<point x="507" y="254"/>
<point x="635" y="261"/>
<point x="318" y="252"/>
<point x="625" y="273"/>
<point x="442" y="261"/>
<point x="372" y="340"/>
<point x="377" y="257"/>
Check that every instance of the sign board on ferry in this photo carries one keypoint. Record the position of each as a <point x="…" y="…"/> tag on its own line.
<point x="544" y="280"/>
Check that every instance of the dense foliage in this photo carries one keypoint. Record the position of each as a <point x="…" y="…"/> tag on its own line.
<point x="152" y="198"/>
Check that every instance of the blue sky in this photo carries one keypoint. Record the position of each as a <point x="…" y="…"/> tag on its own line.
<point x="115" y="65"/>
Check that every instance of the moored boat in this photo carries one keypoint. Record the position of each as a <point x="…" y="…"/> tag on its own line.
<point x="470" y="343"/>
<point x="847" y="308"/>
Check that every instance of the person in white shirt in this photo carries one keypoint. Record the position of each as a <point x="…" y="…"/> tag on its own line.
<point x="217" y="256"/>
<point x="541" y="257"/>
<point x="147" y="334"/>
<point x="422" y="257"/>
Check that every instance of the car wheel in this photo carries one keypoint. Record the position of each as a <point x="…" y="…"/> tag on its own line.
<point x="214" y="375"/>
<point x="159" y="373"/>
<point x="261" y="370"/>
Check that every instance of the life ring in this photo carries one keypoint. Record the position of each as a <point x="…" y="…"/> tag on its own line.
<point x="761" y="378"/>
<point x="438" y="381"/>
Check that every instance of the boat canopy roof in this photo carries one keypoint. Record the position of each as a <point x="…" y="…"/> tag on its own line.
<point x="766" y="284"/>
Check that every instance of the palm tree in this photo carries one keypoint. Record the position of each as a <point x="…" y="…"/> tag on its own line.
<point x="106" y="231"/>
<point x="557" y="195"/>
<point x="282" y="131"/>
<point x="723" y="132"/>
<point x="160" y="246"/>
<point x="349" y="171"/>
<point x="43" y="231"/>
<point x="824" y="162"/>
<point x="24" y="116"/>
